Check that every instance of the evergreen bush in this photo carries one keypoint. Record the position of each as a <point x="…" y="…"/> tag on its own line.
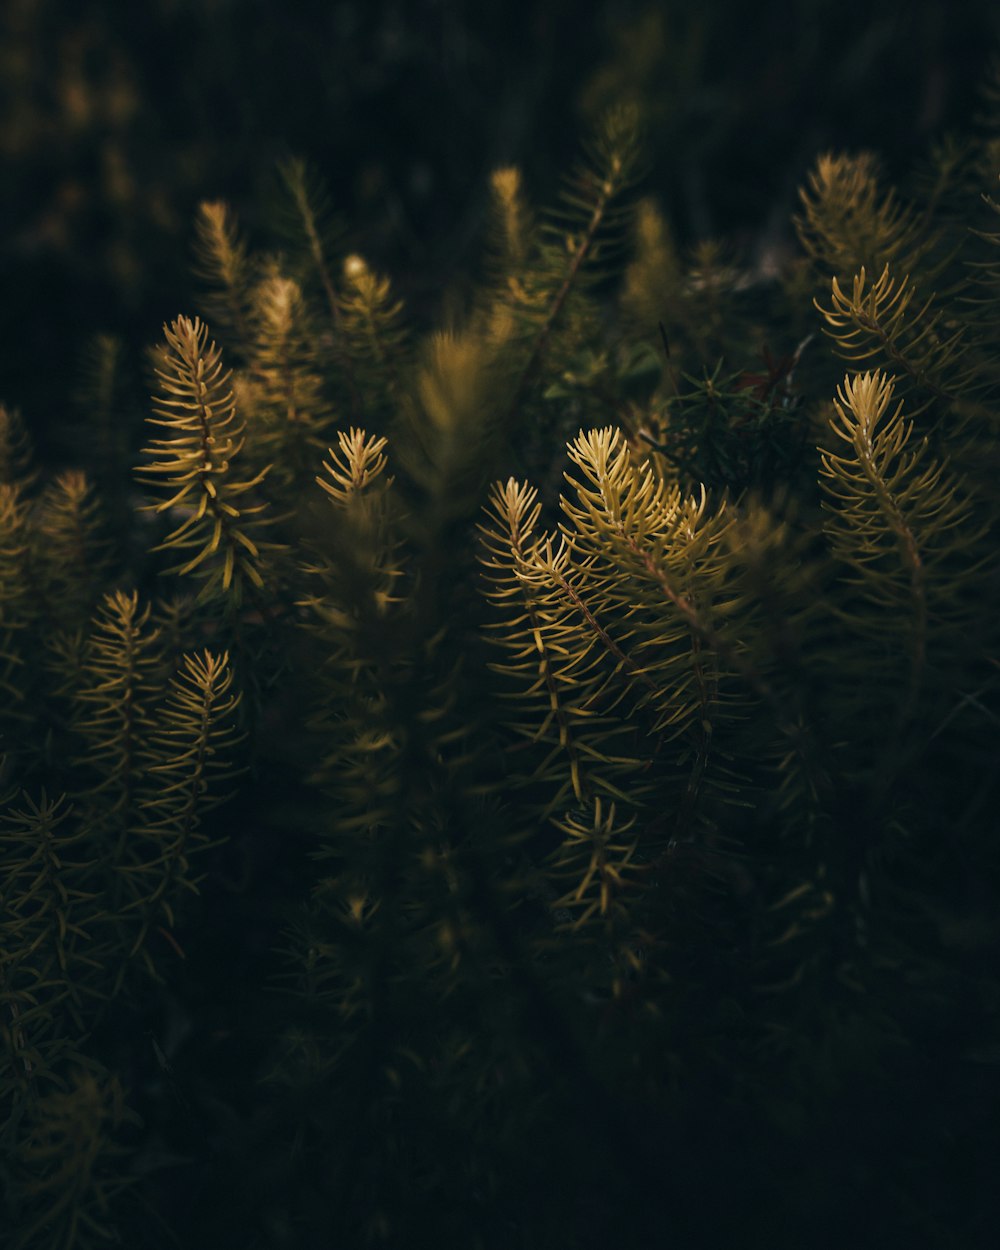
<point x="529" y="785"/>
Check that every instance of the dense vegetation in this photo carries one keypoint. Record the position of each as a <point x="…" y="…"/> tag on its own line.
<point x="526" y="783"/>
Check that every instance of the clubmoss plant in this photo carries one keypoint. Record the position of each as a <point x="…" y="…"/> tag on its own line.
<point x="515" y="784"/>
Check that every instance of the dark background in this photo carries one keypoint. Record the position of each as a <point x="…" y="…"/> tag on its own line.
<point x="117" y="118"/>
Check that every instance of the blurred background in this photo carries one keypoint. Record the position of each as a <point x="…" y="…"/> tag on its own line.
<point x="117" y="118"/>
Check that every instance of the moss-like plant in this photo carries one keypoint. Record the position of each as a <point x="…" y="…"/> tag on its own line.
<point x="626" y="670"/>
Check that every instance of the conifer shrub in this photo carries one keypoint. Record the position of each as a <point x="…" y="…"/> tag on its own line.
<point x="528" y="785"/>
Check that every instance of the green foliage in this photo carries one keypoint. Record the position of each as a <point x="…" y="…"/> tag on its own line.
<point x="538" y="306"/>
<point x="291" y="413"/>
<point x="15" y="450"/>
<point x="71" y="557"/>
<point x="197" y="408"/>
<point x="70" y="1164"/>
<point x="627" y="712"/>
<point x="878" y="321"/>
<point x="223" y="266"/>
<point x="847" y="218"/>
<point x="897" y="522"/>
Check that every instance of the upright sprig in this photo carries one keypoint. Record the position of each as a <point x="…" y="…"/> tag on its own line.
<point x="194" y="462"/>
<point x="847" y="221"/>
<point x="653" y="287"/>
<point x="188" y="755"/>
<point x="357" y="599"/>
<point x="310" y="224"/>
<point x="573" y="246"/>
<point x="617" y="633"/>
<point x="901" y="525"/>
<point x="17" y="604"/>
<point x="103" y="401"/>
<point x="223" y="263"/>
<point x="375" y="339"/>
<point x="71" y="548"/>
<point x="283" y="389"/>
<point x="659" y="556"/>
<point x="880" y="320"/>
<point x="451" y="441"/>
<point x="16" y="452"/>
<point x="511" y="227"/>
<point x="49" y="957"/>
<point x="120" y="682"/>
<point x="316" y="235"/>
<point x="555" y="667"/>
